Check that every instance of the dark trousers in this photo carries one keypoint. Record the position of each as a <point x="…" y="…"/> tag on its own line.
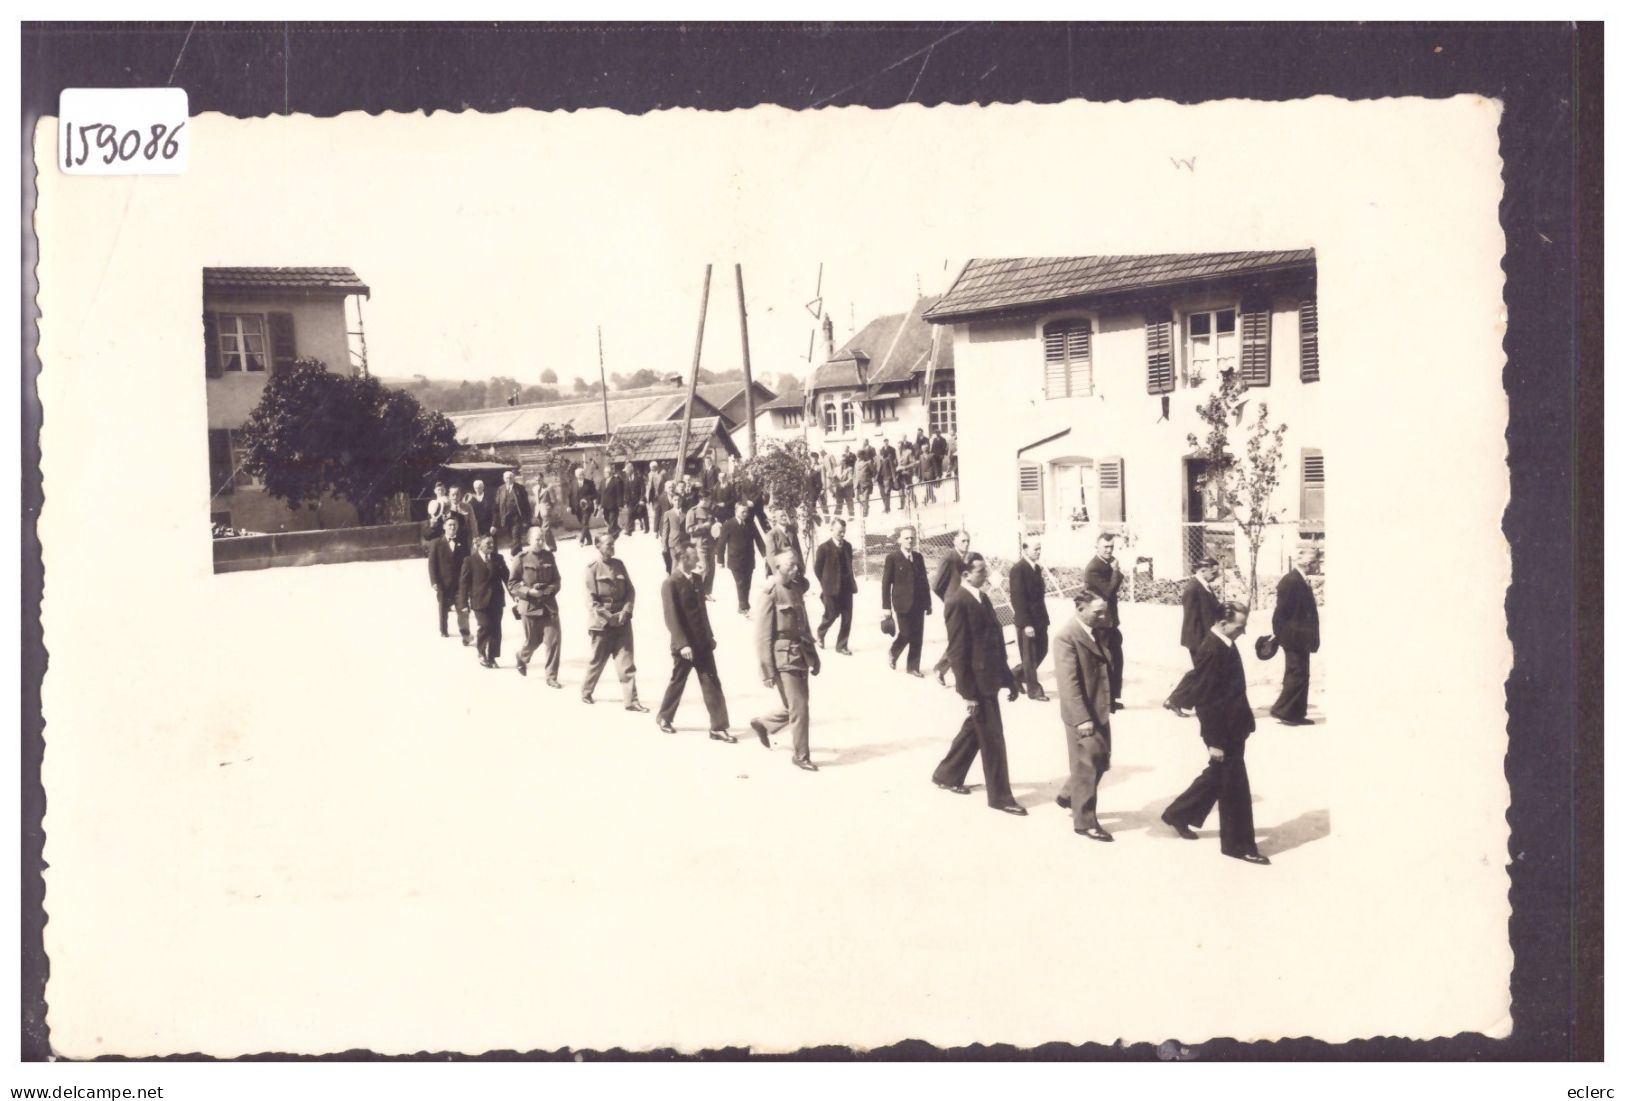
<point x="488" y="632"/>
<point x="1225" y="783"/>
<point x="705" y="669"/>
<point x="1294" y="699"/>
<point x="742" y="584"/>
<point x="1032" y="652"/>
<point x="1192" y="651"/>
<point x="665" y="556"/>
<point x="838" y="606"/>
<point x="885" y="497"/>
<point x="942" y="665"/>
<point x="981" y="733"/>
<point x="444" y="601"/>
<point x="1112" y="639"/>
<point x="611" y="642"/>
<point x="541" y="632"/>
<point x="1089" y="756"/>
<point x="708" y="564"/>
<point x="584" y="518"/>
<point x="910" y="636"/>
<point x="791" y="712"/>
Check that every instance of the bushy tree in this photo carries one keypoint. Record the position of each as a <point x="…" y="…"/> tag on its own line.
<point x="1243" y="485"/>
<point x="780" y="470"/>
<point x="314" y="432"/>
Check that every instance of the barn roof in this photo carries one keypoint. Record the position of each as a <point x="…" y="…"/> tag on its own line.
<point x="282" y="281"/>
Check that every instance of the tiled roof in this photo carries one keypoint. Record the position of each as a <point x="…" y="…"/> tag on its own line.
<point x="638" y="443"/>
<point x="283" y="280"/>
<point x="520" y="423"/>
<point x="994" y="286"/>
<point x="891" y="356"/>
<point x="791" y="399"/>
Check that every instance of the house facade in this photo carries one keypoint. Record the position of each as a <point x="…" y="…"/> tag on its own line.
<point x="1085" y="374"/>
<point x="256" y="322"/>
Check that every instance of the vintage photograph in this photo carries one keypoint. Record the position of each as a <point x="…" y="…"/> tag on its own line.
<point x="761" y="609"/>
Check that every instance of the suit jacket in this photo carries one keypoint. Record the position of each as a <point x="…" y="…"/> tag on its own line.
<point x="1082" y="676"/>
<point x="446" y="564"/>
<point x="975" y="645"/>
<point x="614" y="495"/>
<point x="1202" y="611"/>
<point x="586" y="495"/>
<point x="833" y="566"/>
<point x="482" y="513"/>
<point x="1296" y="622"/>
<point x="513" y="506"/>
<point x="1105" y="578"/>
<point x="686" y="617"/>
<point x="535" y="589"/>
<point x="780" y="541"/>
<point x="610" y="595"/>
<point x="483" y="584"/>
<point x="949" y="571"/>
<point x="904" y="585"/>
<point x="1027" y="597"/>
<point x="698" y="524"/>
<point x="784" y="639"/>
<point x="1217" y="688"/>
<point x="673" y="530"/>
<point x="738" y="544"/>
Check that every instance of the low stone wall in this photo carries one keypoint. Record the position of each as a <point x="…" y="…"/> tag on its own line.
<point x="321" y="547"/>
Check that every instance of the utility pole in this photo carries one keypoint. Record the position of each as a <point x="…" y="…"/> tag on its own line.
<point x="750" y="387"/>
<point x="603" y="394"/>
<point x="693" y="377"/>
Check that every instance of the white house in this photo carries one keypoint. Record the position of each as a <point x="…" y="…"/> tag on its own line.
<point x="1084" y="374"/>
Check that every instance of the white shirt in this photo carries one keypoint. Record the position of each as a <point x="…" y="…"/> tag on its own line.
<point x="1202" y="581"/>
<point x="1221" y="636"/>
<point x="980" y="595"/>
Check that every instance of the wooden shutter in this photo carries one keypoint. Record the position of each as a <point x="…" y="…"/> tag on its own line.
<point x="212" y="367"/>
<point x="220" y="479"/>
<point x="1312" y="488"/>
<point x="1068" y="370"/>
<point x="1255" y="343"/>
<point x="1030" y="492"/>
<point x="1308" y="340"/>
<point x="1159" y="354"/>
<point x="1111" y="490"/>
<point x="283" y="351"/>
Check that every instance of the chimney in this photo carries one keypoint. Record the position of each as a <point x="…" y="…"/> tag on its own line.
<point x="829" y="339"/>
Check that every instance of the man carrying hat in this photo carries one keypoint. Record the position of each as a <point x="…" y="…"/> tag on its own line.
<point x="1201" y="605"/>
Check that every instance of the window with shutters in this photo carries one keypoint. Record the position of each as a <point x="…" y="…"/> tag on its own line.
<point x="1068" y="369"/>
<point x="242" y="341"/>
<point x="1159" y="353"/>
<point x="1112" y="510"/>
<point x="1308" y="340"/>
<point x="1030" y="493"/>
<point x="1312" y="491"/>
<point x="1210" y="344"/>
<point x="944" y="411"/>
<point x="1255" y="343"/>
<point x="220" y="467"/>
<point x="239" y="456"/>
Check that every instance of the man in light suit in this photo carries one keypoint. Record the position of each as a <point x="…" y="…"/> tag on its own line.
<point x="1103" y="576"/>
<point x="833" y="566"/>
<point x="534" y="588"/>
<point x="1296" y="626"/>
<point x="1083" y="681"/>
<point x="945" y="585"/>
<point x="482" y="590"/>
<point x="1217" y="689"/>
<point x="692" y="646"/>
<point x="1201" y="606"/>
<point x="1031" y="615"/>
<point x="976" y="650"/>
<point x="513" y="512"/>
<point x="610" y="599"/>
<point x="905" y="591"/>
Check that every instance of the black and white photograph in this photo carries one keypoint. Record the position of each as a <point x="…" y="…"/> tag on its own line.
<point x="767" y="580"/>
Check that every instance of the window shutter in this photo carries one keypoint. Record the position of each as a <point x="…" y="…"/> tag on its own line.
<point x="1312" y="488"/>
<point x="1309" y="340"/>
<point x="1054" y="361"/>
<point x="1068" y="371"/>
<point x="1255" y="344"/>
<point x="211" y="347"/>
<point x="220" y="480"/>
<point x="1111" y="490"/>
<point x="1159" y="354"/>
<point x="283" y="352"/>
<point x="1030" y="492"/>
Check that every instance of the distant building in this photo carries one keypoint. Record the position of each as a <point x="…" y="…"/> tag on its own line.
<point x="256" y="322"/>
<point x="1084" y="374"/>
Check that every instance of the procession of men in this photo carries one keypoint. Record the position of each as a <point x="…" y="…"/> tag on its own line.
<point x="488" y="553"/>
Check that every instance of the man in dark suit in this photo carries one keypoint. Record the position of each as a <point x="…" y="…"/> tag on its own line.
<point x="1217" y="689"/>
<point x="1201" y="606"/>
<point x="692" y="644"/>
<point x="1103" y="576"/>
<point x="586" y="501"/>
<point x="833" y="566"/>
<point x="1296" y="626"/>
<point x="1032" y="616"/>
<point x="905" y="591"/>
<point x="612" y="497"/>
<point x="482" y="589"/>
<point x="781" y="536"/>
<point x="513" y="512"/>
<point x="736" y="549"/>
<point x="446" y="557"/>
<point x="673" y="525"/>
<point x="976" y="651"/>
<point x="534" y="588"/>
<point x="945" y="585"/>
<point x="481" y="509"/>
<point x="1083" y="681"/>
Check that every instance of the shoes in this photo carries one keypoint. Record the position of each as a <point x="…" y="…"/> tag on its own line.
<point x="586" y="699"/>
<point x="445" y="634"/>
<point x="1251" y="858"/>
<point x="551" y="683"/>
<point x="820" y="642"/>
<point x="1295" y="722"/>
<point x="916" y="673"/>
<point x="521" y="668"/>
<point x="636" y="706"/>
<point x="805" y="766"/>
<point x="1094" y="833"/>
<point x="665" y="727"/>
<point x="891" y="660"/>
<point x="1117" y="705"/>
<point x="723" y="736"/>
<point x="468" y="640"/>
<point x="1011" y="695"/>
<point x="488" y="663"/>
<point x="761" y="734"/>
<point x="1014" y="808"/>
<point x="711" y="599"/>
<point x="1038" y="697"/>
<point x="1180" y="828"/>
<point x="843" y="650"/>
<point x="942" y="677"/>
<point x="1063" y="802"/>
<point x="957" y="789"/>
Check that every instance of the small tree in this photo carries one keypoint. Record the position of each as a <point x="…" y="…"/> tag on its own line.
<point x="1245" y="485"/>
<point x="780" y="470"/>
<point x="555" y="440"/>
<point x="314" y="432"/>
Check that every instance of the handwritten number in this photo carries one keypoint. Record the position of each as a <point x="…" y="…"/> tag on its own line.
<point x="171" y="147"/>
<point x="163" y="142"/>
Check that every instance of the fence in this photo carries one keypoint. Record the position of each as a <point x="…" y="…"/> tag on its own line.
<point x="377" y="543"/>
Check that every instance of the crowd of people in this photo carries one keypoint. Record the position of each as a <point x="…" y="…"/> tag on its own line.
<point x="491" y="552"/>
<point x="913" y="471"/>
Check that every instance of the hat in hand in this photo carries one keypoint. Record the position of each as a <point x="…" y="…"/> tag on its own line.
<point x="1265" y="647"/>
